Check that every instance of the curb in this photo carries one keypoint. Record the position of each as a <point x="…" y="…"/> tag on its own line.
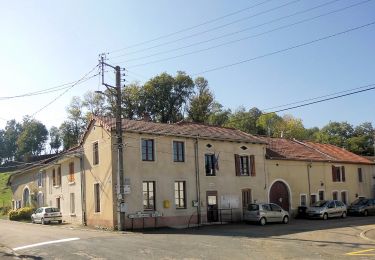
<point x="363" y="235"/>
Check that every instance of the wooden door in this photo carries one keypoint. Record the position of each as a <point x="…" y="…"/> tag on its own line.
<point x="246" y="199"/>
<point x="212" y="207"/>
<point x="279" y="195"/>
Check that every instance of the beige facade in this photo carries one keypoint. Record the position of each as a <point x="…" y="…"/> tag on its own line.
<point x="303" y="178"/>
<point x="63" y="187"/>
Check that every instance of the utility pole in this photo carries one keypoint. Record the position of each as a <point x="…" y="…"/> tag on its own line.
<point x="120" y="196"/>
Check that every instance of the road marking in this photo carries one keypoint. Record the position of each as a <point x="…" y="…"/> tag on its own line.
<point x="46" y="243"/>
<point x="362" y="252"/>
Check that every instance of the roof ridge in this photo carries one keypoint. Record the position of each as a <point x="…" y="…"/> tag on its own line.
<point x="313" y="148"/>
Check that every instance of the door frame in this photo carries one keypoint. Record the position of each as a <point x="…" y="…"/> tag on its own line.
<point x="212" y="193"/>
<point x="289" y="192"/>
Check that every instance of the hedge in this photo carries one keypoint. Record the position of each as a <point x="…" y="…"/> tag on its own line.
<point x="21" y="214"/>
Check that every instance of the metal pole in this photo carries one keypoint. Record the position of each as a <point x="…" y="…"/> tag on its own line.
<point x="120" y="162"/>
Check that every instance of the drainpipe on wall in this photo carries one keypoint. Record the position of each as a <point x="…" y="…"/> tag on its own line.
<point x="197" y="181"/>
<point x="83" y="191"/>
<point x="308" y="180"/>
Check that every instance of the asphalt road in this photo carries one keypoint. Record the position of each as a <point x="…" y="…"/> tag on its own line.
<point x="300" y="239"/>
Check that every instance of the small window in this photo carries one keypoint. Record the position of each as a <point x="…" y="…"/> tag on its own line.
<point x="338" y="174"/>
<point x="179" y="193"/>
<point x="72" y="204"/>
<point x="344" y="197"/>
<point x="244" y="166"/>
<point x="303" y="200"/>
<point x="210" y="164"/>
<point x="312" y="199"/>
<point x="95" y="150"/>
<point x="58" y="179"/>
<point x="71" y="172"/>
<point x="335" y="195"/>
<point x="149" y="195"/>
<point x="321" y="195"/>
<point x="178" y="151"/>
<point x="97" y="197"/>
<point x="58" y="205"/>
<point x="147" y="150"/>
<point x="40" y="179"/>
<point x="266" y="207"/>
<point x="360" y="177"/>
<point x="54" y="177"/>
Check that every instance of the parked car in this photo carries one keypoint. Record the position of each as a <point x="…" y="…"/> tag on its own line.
<point x="362" y="207"/>
<point x="265" y="212"/>
<point x="46" y="215"/>
<point x="325" y="209"/>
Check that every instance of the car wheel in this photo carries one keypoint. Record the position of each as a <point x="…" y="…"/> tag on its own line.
<point x="32" y="220"/>
<point x="343" y="214"/>
<point x="262" y="221"/>
<point x="286" y="220"/>
<point x="325" y="216"/>
<point x="365" y="213"/>
<point x="59" y="221"/>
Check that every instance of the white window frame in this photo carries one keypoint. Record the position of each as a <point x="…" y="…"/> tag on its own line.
<point x="300" y="199"/>
<point x="72" y="204"/>
<point x="249" y="163"/>
<point x="185" y="194"/>
<point x="92" y="148"/>
<point x="324" y="194"/>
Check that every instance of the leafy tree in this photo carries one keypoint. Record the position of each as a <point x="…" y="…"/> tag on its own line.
<point x="245" y="120"/>
<point x="165" y="96"/>
<point x="363" y="139"/>
<point x="201" y="103"/>
<point x="55" y="139"/>
<point x="133" y="100"/>
<point x="336" y="133"/>
<point x="219" y="116"/>
<point x="311" y="133"/>
<point x="291" y="127"/>
<point x="11" y="134"/>
<point x="94" y="103"/>
<point x="269" y="123"/>
<point x="32" y="138"/>
<point x="68" y="134"/>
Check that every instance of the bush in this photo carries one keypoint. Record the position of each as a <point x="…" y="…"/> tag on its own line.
<point x="4" y="210"/>
<point x="21" y="214"/>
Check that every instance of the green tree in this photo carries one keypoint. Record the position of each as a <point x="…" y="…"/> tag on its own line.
<point x="219" y="116"/>
<point x="11" y="134"/>
<point x="336" y="133"/>
<point x="133" y="100"/>
<point x="94" y="103"/>
<point x="245" y="120"/>
<point x="291" y="127"/>
<point x="166" y="96"/>
<point x="55" y="139"/>
<point x="362" y="140"/>
<point x="202" y="101"/>
<point x="269" y="124"/>
<point x="32" y="138"/>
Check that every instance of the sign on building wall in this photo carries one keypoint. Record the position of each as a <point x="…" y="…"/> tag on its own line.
<point x="230" y="201"/>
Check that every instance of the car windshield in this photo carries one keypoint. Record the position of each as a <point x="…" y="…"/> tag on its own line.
<point x="360" y="202"/>
<point x="253" y="207"/>
<point x="320" y="203"/>
<point x="50" y="210"/>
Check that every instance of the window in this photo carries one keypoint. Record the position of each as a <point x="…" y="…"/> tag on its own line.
<point x="312" y="199"/>
<point x="275" y="207"/>
<point x="209" y="160"/>
<point x="244" y="165"/>
<point x="321" y="195"/>
<point x="58" y="205"/>
<point x="303" y="200"/>
<point x="72" y="204"/>
<point x="40" y="179"/>
<point x="179" y="194"/>
<point x="338" y="174"/>
<point x="335" y="195"/>
<point x="71" y="172"/>
<point x="54" y="177"/>
<point x="95" y="153"/>
<point x="149" y="195"/>
<point x="344" y="197"/>
<point x="178" y="151"/>
<point x="40" y="199"/>
<point x="266" y="207"/>
<point x="97" y="197"/>
<point x="147" y="150"/>
<point x="360" y="177"/>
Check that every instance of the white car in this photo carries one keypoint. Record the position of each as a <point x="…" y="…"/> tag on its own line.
<point x="46" y="215"/>
<point x="265" y="212"/>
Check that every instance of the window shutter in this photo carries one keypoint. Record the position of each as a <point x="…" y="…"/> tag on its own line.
<point x="252" y="163"/>
<point x="334" y="179"/>
<point x="237" y="164"/>
<point x="343" y="173"/>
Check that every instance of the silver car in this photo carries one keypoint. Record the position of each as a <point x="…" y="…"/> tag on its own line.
<point x="265" y="212"/>
<point x="46" y="215"/>
<point x="325" y="209"/>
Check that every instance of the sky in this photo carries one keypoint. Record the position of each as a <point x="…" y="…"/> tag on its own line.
<point x="45" y="44"/>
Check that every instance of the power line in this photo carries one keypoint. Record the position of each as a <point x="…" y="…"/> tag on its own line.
<point x="191" y="27"/>
<point x="236" y="32"/>
<point x="323" y="100"/>
<point x="285" y="50"/>
<point x="315" y="98"/>
<point x="244" y="38"/>
<point x="81" y="80"/>
<point x="216" y="28"/>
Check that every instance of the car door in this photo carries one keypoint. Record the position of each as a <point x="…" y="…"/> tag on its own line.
<point x="276" y="212"/>
<point x="331" y="209"/>
<point x="340" y="208"/>
<point x="371" y="207"/>
<point x="38" y="215"/>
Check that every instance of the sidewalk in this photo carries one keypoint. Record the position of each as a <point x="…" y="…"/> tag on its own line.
<point x="370" y="234"/>
<point x="6" y="253"/>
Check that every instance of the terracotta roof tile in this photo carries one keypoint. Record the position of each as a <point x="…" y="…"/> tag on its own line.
<point x="181" y="129"/>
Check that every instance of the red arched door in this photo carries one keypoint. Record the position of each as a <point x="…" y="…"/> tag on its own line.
<point x="279" y="194"/>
